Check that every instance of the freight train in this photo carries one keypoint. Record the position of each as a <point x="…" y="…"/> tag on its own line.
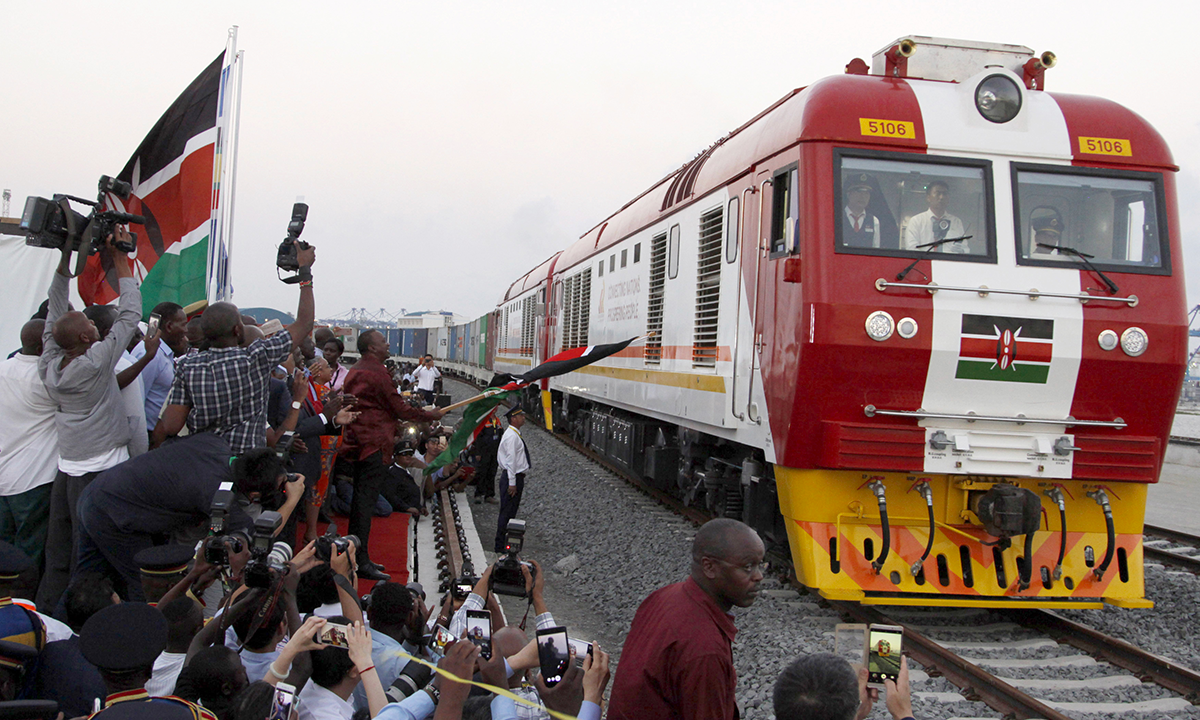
<point x="922" y="324"/>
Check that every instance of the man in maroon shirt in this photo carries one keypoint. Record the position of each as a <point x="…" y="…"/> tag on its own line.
<point x="678" y="658"/>
<point x="370" y="439"/>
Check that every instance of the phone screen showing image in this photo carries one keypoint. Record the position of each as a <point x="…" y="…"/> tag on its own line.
<point x="479" y="631"/>
<point x="553" y="654"/>
<point x="883" y="653"/>
<point x="152" y="323"/>
<point x="441" y="638"/>
<point x="336" y="635"/>
<point x="283" y="705"/>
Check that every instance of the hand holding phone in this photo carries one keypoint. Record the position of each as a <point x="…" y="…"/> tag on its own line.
<point x="554" y="654"/>
<point x="884" y="645"/>
<point x="479" y="631"/>
<point x="152" y="323"/>
<point x="336" y="635"/>
<point x="284" y="702"/>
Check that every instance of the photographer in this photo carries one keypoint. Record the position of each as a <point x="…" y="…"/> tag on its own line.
<point x="78" y="370"/>
<point x="171" y="490"/>
<point x="225" y="389"/>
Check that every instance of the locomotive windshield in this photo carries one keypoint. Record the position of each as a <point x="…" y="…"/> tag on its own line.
<point x="1112" y="217"/>
<point x="906" y="206"/>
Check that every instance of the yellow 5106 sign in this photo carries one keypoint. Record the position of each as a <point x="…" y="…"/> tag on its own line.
<point x="888" y="128"/>
<point x="1105" y="146"/>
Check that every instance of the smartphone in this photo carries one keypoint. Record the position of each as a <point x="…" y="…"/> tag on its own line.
<point x="884" y="644"/>
<point x="479" y="631"/>
<point x="441" y="638"/>
<point x="553" y="654"/>
<point x="152" y="323"/>
<point x="284" y="705"/>
<point x="850" y="643"/>
<point x="583" y="648"/>
<point x="336" y="635"/>
<point x="463" y="589"/>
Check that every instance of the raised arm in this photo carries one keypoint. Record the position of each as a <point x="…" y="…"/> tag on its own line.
<point x="305" y="312"/>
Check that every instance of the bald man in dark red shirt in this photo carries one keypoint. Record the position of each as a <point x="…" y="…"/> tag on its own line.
<point x="371" y="438"/>
<point x="677" y="661"/>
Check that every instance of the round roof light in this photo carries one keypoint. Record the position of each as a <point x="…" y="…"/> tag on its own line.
<point x="1134" y="341"/>
<point x="880" y="325"/>
<point x="998" y="98"/>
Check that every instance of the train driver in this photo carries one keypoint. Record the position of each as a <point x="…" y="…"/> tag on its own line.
<point x="1047" y="226"/>
<point x="859" y="229"/>
<point x="935" y="223"/>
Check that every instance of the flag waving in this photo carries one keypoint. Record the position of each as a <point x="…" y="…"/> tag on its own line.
<point x="481" y="408"/>
<point x="176" y="177"/>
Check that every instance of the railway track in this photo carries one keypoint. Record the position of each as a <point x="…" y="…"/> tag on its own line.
<point x="1165" y="548"/>
<point x="1065" y="670"/>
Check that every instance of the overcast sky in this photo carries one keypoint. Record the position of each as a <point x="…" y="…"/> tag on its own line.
<point x="446" y="148"/>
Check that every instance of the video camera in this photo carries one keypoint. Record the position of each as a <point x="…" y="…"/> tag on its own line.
<point x="287" y="259"/>
<point x="507" y="578"/>
<point x="54" y="224"/>
<point x="268" y="559"/>
<point x="218" y="545"/>
<point x="331" y="543"/>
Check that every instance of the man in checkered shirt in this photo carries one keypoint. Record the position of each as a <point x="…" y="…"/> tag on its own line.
<point x="225" y="388"/>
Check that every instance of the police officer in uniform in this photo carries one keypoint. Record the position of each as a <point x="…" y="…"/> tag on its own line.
<point x="859" y="228"/>
<point x="1048" y="227"/>
<point x="161" y="568"/>
<point x="123" y="641"/>
<point x="513" y="459"/>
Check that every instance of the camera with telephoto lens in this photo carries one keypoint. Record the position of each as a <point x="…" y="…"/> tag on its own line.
<point x="507" y="578"/>
<point x="54" y="224"/>
<point x="268" y="559"/>
<point x="219" y="545"/>
<point x="283" y="447"/>
<point x="331" y="544"/>
<point x="287" y="259"/>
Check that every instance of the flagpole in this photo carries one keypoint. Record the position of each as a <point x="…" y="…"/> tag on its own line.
<point x="232" y="195"/>
<point x="482" y="396"/>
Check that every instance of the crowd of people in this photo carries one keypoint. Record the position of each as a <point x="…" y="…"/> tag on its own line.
<point x="162" y="492"/>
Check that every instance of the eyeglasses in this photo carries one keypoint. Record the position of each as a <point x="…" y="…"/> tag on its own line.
<point x="748" y="568"/>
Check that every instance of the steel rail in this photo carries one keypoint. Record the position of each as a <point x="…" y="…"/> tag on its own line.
<point x="1146" y="666"/>
<point x="974" y="682"/>
<point x="1167" y="557"/>
<point x="450" y="541"/>
<point x="1173" y="535"/>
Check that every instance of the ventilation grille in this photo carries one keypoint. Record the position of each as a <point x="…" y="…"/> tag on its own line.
<point x="577" y="305"/>
<point x="527" y="327"/>
<point x="708" y="290"/>
<point x="654" y="308"/>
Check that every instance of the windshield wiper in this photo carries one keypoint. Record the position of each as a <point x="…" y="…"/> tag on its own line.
<point x="929" y="246"/>
<point x="1085" y="259"/>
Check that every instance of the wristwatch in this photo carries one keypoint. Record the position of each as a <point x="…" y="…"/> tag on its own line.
<point x="296" y="404"/>
<point x="434" y="693"/>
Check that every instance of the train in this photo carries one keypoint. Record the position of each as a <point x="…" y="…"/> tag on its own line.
<point x="921" y="324"/>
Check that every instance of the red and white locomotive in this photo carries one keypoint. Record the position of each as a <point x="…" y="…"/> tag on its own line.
<point x="923" y="321"/>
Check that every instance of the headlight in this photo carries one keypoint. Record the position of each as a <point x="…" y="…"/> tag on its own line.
<point x="998" y="98"/>
<point x="907" y="327"/>
<point x="880" y="325"/>
<point x="1134" y="341"/>
<point x="1108" y="340"/>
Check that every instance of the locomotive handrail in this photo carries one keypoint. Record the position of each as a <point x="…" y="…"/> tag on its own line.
<point x="1118" y="423"/>
<point x="881" y="285"/>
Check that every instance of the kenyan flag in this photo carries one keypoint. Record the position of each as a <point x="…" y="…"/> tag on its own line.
<point x="476" y="417"/>
<point x="172" y="174"/>
<point x="1005" y="349"/>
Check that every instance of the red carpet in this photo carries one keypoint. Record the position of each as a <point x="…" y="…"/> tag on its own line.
<point x="389" y="545"/>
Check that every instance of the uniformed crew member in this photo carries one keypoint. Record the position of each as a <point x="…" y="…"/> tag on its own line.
<point x="859" y="228"/>
<point x="161" y="568"/>
<point x="16" y="659"/>
<point x="123" y="641"/>
<point x="18" y="624"/>
<point x="513" y="459"/>
<point x="1048" y="227"/>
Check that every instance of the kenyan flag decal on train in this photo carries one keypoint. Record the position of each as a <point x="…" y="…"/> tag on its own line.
<point x="1006" y="349"/>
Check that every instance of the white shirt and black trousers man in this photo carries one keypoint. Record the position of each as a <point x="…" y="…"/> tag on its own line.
<point x="513" y="459"/>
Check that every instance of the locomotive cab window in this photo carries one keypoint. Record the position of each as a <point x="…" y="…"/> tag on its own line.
<point x="1111" y="219"/>
<point x="905" y="205"/>
<point x="785" y="211"/>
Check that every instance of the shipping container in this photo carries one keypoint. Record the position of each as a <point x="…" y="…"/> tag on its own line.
<point x="480" y="355"/>
<point x="439" y="338"/>
<point x="452" y="349"/>
<point x="420" y="342"/>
